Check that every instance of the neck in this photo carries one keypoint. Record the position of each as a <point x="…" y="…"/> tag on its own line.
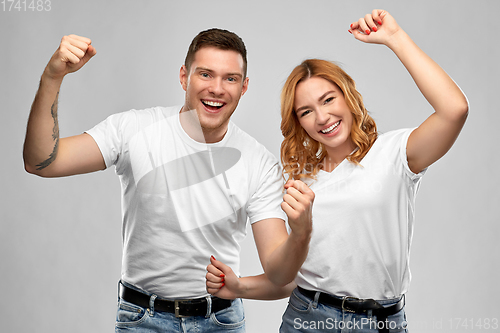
<point x="190" y="123"/>
<point x="335" y="156"/>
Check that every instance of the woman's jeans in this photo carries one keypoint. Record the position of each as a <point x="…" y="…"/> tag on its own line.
<point x="307" y="315"/>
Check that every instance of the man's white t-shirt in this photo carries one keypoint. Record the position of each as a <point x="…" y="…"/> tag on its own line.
<point x="182" y="200"/>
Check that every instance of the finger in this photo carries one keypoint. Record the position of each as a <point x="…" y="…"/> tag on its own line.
<point x="80" y="38"/>
<point x="376" y="15"/>
<point x="370" y="23"/>
<point x="67" y="56"/>
<point x="292" y="201"/>
<point x="214" y="285"/>
<point x="214" y="270"/>
<point x="289" y="210"/>
<point x="76" y="51"/>
<point x="213" y="291"/>
<point x="223" y="268"/>
<point x="359" y="35"/>
<point x="214" y="278"/>
<point x="363" y="27"/>
<point x="301" y="193"/>
<point x="302" y="187"/>
<point x="91" y="51"/>
<point x="68" y="40"/>
<point x="289" y="183"/>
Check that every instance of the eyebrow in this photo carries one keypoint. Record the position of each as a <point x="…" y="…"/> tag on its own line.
<point x="211" y="71"/>
<point x="319" y="100"/>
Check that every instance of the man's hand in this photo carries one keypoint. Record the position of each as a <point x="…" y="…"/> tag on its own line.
<point x="297" y="204"/>
<point x="73" y="52"/>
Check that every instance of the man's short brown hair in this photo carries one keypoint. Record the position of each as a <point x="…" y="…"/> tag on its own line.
<point x="219" y="38"/>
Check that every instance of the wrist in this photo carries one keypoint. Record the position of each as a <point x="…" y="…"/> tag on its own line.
<point x="49" y="78"/>
<point x="301" y="238"/>
<point x="398" y="40"/>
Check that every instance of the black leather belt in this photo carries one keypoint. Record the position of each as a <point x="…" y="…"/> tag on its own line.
<point x="181" y="308"/>
<point x="357" y="305"/>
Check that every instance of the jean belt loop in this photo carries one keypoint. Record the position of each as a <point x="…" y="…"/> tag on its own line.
<point x="316" y="299"/>
<point x="152" y="304"/>
<point x="209" y="306"/>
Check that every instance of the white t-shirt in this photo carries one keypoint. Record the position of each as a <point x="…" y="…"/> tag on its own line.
<point x="362" y="224"/>
<point x="182" y="200"/>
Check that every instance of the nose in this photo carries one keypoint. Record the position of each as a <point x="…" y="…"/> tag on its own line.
<point x="216" y="87"/>
<point x="322" y="116"/>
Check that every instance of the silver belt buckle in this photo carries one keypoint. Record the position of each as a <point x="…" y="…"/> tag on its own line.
<point x="343" y="301"/>
<point x="176" y="310"/>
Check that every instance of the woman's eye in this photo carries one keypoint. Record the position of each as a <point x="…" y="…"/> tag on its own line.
<point x="305" y="113"/>
<point x="328" y="100"/>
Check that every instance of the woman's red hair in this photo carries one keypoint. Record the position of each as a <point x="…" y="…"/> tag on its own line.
<point x="300" y="154"/>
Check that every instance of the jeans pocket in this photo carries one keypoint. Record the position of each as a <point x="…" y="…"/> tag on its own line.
<point x="129" y="315"/>
<point x="298" y="304"/>
<point x="231" y="317"/>
<point x="397" y="322"/>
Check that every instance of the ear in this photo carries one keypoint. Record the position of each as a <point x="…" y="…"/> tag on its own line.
<point x="183" y="77"/>
<point x="245" y="86"/>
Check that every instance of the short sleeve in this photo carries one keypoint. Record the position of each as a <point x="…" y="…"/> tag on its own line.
<point x="265" y="203"/>
<point x="108" y="135"/>
<point x="404" y="157"/>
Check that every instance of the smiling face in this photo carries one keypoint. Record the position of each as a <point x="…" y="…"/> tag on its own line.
<point x="323" y="113"/>
<point x="214" y="86"/>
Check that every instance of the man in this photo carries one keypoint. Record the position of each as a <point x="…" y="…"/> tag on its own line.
<point x="190" y="180"/>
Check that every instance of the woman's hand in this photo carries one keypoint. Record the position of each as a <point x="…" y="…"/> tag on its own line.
<point x="221" y="280"/>
<point x="378" y="27"/>
<point x="297" y="204"/>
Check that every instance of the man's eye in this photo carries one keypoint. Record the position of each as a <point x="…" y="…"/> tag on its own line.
<point x="231" y="79"/>
<point x="205" y="75"/>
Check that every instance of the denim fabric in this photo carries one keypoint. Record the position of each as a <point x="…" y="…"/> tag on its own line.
<point x="133" y="318"/>
<point x="307" y="315"/>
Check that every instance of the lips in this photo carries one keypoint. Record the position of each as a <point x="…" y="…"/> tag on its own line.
<point x="330" y="129"/>
<point x="212" y="106"/>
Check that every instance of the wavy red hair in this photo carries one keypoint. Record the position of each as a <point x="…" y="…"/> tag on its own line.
<point x="301" y="155"/>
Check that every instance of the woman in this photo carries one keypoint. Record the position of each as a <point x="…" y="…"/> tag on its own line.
<point x="356" y="273"/>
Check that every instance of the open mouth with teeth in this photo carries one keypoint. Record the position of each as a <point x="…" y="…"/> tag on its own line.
<point x="332" y="128"/>
<point x="212" y="105"/>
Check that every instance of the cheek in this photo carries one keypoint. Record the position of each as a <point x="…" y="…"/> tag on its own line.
<point x="307" y="126"/>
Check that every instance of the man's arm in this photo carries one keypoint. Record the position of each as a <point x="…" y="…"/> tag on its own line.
<point x="45" y="154"/>
<point x="223" y="283"/>
<point x="282" y="254"/>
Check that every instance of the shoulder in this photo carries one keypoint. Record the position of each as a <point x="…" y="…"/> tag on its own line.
<point x="249" y="145"/>
<point x="392" y="141"/>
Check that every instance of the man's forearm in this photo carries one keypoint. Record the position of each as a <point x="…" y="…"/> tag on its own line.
<point x="42" y="133"/>
<point x="285" y="261"/>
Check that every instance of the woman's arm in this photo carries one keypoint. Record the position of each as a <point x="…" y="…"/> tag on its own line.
<point x="223" y="283"/>
<point x="435" y="136"/>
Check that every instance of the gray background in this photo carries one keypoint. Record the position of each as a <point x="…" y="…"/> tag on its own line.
<point x="60" y="242"/>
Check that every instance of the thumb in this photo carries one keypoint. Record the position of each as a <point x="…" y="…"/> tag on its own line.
<point x="220" y="265"/>
<point x="91" y="51"/>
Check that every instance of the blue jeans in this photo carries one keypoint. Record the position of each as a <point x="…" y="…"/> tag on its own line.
<point x="133" y="318"/>
<point x="307" y="315"/>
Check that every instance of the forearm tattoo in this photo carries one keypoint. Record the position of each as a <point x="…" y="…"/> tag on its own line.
<point x="55" y="136"/>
